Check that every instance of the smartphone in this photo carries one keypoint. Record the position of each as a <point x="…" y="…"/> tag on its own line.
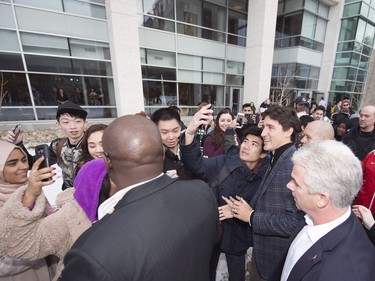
<point x="250" y="118"/>
<point x="17" y="130"/>
<point x="43" y="150"/>
<point x="239" y="119"/>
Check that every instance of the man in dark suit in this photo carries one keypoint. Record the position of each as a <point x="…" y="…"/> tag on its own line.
<point x="331" y="243"/>
<point x="154" y="227"/>
<point x="272" y="214"/>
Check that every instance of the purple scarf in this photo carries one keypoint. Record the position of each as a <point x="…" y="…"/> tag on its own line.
<point x="88" y="184"/>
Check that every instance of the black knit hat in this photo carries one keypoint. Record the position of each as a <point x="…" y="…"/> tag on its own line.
<point x="71" y="108"/>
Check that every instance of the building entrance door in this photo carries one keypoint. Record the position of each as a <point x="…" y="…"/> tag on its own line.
<point x="236" y="99"/>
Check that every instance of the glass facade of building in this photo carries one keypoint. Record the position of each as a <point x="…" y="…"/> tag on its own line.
<point x="300" y="24"/>
<point x="186" y="79"/>
<point x="53" y="51"/>
<point x="354" y="49"/>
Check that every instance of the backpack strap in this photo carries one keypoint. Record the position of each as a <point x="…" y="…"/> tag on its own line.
<point x="223" y="174"/>
<point x="59" y="147"/>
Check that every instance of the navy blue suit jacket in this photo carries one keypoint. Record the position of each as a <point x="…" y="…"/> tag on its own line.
<point x="345" y="253"/>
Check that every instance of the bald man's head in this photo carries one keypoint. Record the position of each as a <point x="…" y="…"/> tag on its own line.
<point x="318" y="130"/>
<point x="134" y="148"/>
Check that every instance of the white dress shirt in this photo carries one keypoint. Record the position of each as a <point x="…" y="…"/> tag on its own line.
<point x="306" y="238"/>
<point x="108" y="206"/>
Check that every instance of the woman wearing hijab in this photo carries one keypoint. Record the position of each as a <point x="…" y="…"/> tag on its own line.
<point x="36" y="235"/>
<point x="13" y="175"/>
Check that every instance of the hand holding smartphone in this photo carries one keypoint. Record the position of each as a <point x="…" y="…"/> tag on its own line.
<point x="43" y="150"/>
<point x="239" y="119"/>
<point x="17" y="131"/>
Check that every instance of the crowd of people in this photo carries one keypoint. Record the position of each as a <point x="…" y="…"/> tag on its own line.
<point x="150" y="198"/>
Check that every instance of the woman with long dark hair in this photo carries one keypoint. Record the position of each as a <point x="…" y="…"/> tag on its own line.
<point x="214" y="142"/>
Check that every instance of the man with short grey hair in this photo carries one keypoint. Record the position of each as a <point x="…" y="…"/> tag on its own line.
<point x="331" y="243"/>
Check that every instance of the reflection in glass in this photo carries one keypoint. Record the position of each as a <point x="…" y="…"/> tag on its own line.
<point x="150" y="72"/>
<point x="159" y="93"/>
<point x="158" y="23"/>
<point x="11" y="62"/>
<point x="76" y="88"/>
<point x="67" y="65"/>
<point x="14" y="90"/>
<point x="163" y="9"/>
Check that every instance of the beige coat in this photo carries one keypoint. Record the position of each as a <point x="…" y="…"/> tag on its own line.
<point x="32" y="235"/>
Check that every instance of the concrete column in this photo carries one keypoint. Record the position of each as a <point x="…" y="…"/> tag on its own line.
<point x="330" y="46"/>
<point x="261" y="28"/>
<point x="125" y="55"/>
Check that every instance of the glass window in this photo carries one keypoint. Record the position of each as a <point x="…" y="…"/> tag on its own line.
<point x="311" y="5"/>
<point x="352" y="73"/>
<point x="236" y="40"/>
<point x="361" y="77"/>
<point x="348" y="29"/>
<point x="323" y="10"/>
<point x="351" y="10"/>
<point x="340" y="73"/>
<point x="163" y="8"/>
<point x="157" y="23"/>
<point x="292" y="5"/>
<point x="193" y="94"/>
<point x="66" y="65"/>
<point x="159" y="93"/>
<point x="84" y="9"/>
<point x="369" y="35"/>
<point x="210" y="64"/>
<point x="354" y="60"/>
<point x="292" y="25"/>
<point x="360" y="30"/>
<point x="11" y="62"/>
<point x="150" y="72"/>
<point x="9" y="41"/>
<point x="17" y="93"/>
<point x="364" y="62"/>
<point x="364" y="10"/>
<point x="309" y="25"/>
<point x="237" y="23"/>
<point x="235" y="80"/>
<point x="321" y="27"/>
<point x="343" y="59"/>
<point x="44" y="44"/>
<point x="155" y="57"/>
<point x="214" y="16"/>
<point x="91" y="67"/>
<point x="234" y="67"/>
<point x="346" y="46"/>
<point x="238" y="5"/>
<point x="6" y="16"/>
<point x="77" y="88"/>
<point x="371" y="15"/>
<point x="189" y="11"/>
<point x="190" y="62"/>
